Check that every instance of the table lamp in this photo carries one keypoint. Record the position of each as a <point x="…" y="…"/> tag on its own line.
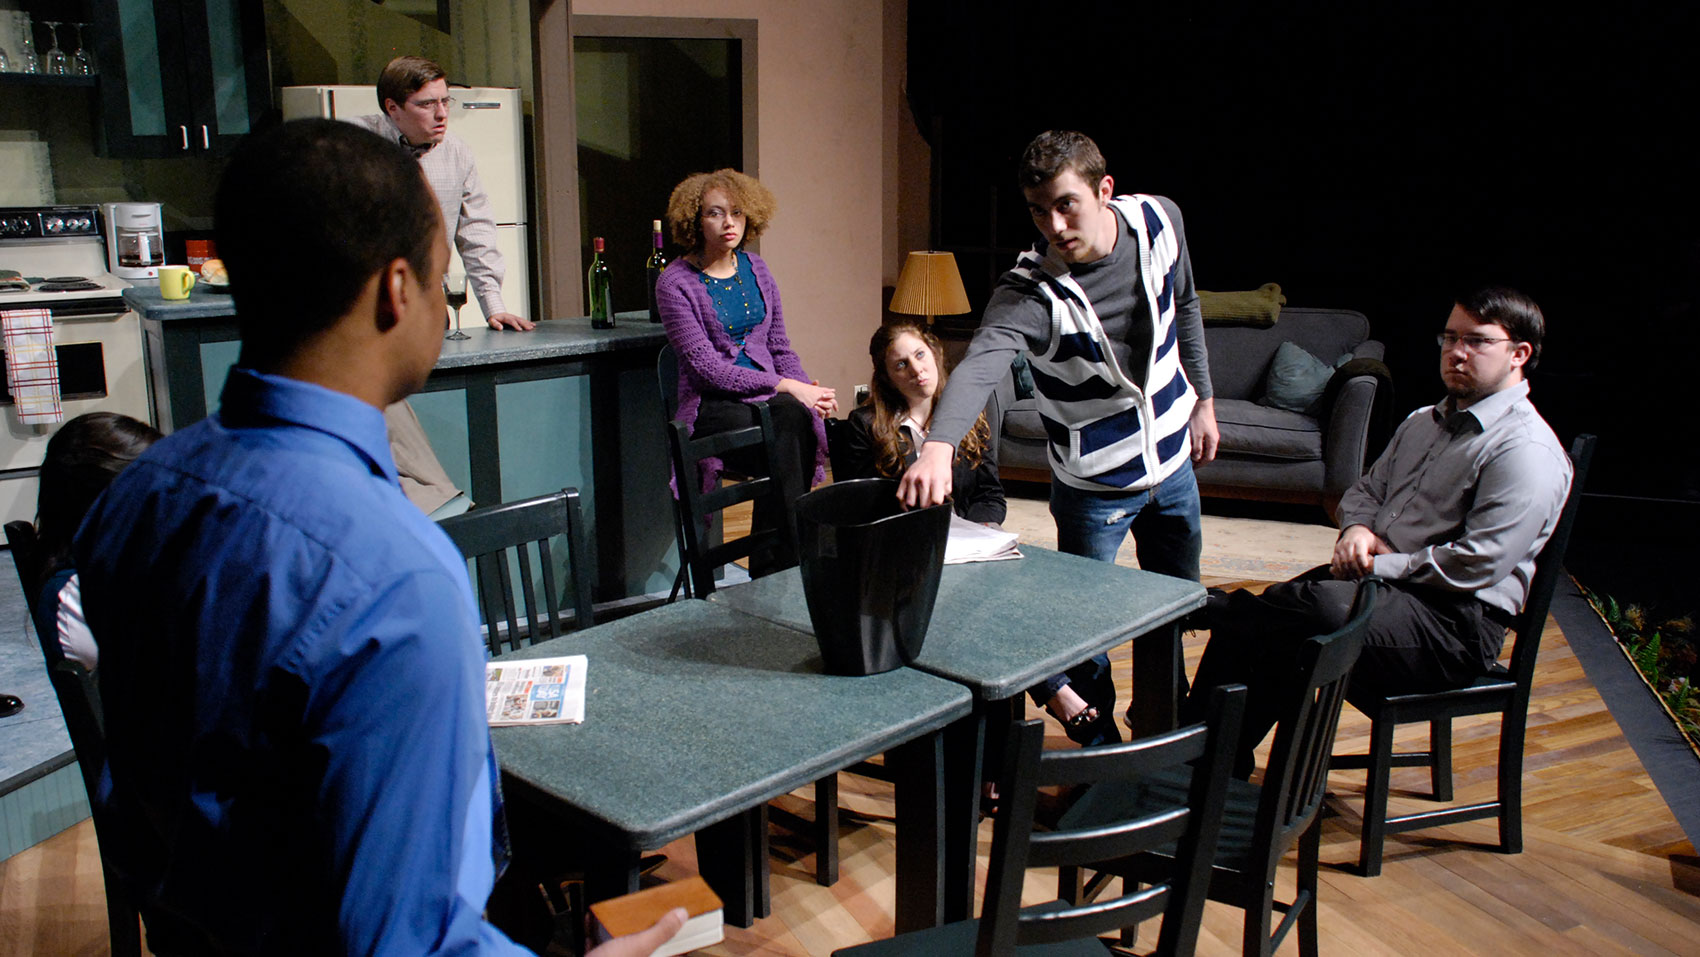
<point x="929" y="286"/>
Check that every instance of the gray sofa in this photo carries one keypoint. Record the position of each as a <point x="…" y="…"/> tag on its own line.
<point x="1266" y="453"/>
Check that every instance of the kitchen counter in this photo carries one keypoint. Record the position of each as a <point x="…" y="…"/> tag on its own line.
<point x="552" y="339"/>
<point x="509" y="413"/>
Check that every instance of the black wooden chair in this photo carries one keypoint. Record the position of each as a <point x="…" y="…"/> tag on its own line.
<point x="1186" y="824"/>
<point x="519" y="535"/>
<point x="1507" y="693"/>
<point x="694" y="511"/>
<point x="79" y="700"/>
<point x="1263" y="820"/>
<point x="769" y="549"/>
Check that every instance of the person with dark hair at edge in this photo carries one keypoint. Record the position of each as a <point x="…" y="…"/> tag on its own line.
<point x="886" y="433"/>
<point x="298" y="756"/>
<point x="1106" y="309"/>
<point x="82" y="459"/>
<point x="1451" y="516"/>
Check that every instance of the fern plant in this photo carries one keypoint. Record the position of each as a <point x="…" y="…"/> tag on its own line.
<point x="1666" y="656"/>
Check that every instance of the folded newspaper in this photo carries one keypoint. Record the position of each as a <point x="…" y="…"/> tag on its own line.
<point x="973" y="542"/>
<point x="535" y="691"/>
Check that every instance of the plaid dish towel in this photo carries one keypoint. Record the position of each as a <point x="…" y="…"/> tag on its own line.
<point x="32" y="367"/>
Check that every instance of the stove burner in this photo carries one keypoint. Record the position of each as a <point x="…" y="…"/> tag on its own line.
<point x="67" y="284"/>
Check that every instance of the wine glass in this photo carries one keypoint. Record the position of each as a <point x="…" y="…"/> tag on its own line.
<point x="82" y="63"/>
<point x="57" y="63"/>
<point x="454" y="288"/>
<point x="28" y="62"/>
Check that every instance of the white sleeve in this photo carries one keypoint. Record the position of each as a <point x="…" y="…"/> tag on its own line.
<point x="76" y="642"/>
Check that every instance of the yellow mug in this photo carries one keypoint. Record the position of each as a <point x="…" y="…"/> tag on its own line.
<point x="175" y="282"/>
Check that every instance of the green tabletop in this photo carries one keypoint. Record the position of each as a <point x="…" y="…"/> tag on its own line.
<point x="1002" y="627"/>
<point x="695" y="712"/>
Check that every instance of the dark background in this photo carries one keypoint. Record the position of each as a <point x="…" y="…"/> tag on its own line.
<point x="1384" y="159"/>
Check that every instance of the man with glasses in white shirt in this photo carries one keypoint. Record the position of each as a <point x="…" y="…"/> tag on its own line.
<point x="1451" y="516"/>
<point x="414" y="95"/>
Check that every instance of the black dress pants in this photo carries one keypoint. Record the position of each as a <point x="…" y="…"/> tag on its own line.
<point x="1420" y="639"/>
<point x="793" y="461"/>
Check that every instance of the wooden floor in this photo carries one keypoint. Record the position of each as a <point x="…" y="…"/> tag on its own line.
<point x="1606" y="869"/>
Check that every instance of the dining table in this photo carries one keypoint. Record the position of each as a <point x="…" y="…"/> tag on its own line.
<point x="1001" y="627"/>
<point x="698" y="714"/>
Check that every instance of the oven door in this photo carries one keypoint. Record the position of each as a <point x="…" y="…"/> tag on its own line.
<point x="100" y="369"/>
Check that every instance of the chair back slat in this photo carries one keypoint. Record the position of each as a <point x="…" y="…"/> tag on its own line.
<point x="1297" y="774"/>
<point x="501" y="538"/>
<point x="697" y="508"/>
<point x="1549" y="568"/>
<point x="1190" y="825"/>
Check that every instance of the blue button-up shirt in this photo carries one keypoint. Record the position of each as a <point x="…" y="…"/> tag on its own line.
<point x="293" y="684"/>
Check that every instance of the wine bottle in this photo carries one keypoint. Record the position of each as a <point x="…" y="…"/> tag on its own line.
<point x="652" y="269"/>
<point x="601" y="297"/>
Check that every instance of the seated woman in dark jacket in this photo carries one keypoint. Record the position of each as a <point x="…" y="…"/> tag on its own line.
<point x="83" y="458"/>
<point x="885" y="433"/>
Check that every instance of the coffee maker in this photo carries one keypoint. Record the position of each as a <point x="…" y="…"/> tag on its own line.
<point x="135" y="240"/>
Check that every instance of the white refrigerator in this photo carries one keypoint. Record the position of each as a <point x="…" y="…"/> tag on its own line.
<point x="489" y="120"/>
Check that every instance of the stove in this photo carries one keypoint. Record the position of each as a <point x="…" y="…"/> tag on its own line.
<point x="61" y="253"/>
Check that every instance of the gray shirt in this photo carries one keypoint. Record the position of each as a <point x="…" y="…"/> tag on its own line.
<point x="1467" y="498"/>
<point x="467" y="216"/>
<point x="1018" y="317"/>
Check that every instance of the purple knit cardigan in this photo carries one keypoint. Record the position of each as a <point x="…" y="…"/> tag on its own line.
<point x="707" y="354"/>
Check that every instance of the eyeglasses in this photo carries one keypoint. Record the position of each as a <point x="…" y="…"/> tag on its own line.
<point x="1447" y="340"/>
<point x="445" y="103"/>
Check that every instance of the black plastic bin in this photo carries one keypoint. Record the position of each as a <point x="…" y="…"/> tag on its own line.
<point x="870" y="573"/>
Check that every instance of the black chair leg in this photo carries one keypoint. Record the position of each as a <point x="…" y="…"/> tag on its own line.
<point x="1376" y="784"/>
<point x="1512" y="727"/>
<point x="1310" y="848"/>
<point x="1440" y="758"/>
<point x="826" y="831"/>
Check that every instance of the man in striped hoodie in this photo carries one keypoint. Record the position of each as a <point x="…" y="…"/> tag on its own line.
<point x="1105" y="307"/>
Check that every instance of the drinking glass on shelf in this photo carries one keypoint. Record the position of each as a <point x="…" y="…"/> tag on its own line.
<point x="57" y="63"/>
<point x="28" y="62"/>
<point x="454" y="288"/>
<point x="5" y="61"/>
<point x="82" y="63"/>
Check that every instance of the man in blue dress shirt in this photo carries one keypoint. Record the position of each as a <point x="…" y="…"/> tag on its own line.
<point x="293" y="683"/>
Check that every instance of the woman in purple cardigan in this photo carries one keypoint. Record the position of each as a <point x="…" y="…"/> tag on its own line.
<point x="721" y="309"/>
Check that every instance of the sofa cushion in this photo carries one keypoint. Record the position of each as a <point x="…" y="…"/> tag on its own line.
<point x="1251" y="429"/>
<point x="1022" y="421"/>
<point x="1296" y="380"/>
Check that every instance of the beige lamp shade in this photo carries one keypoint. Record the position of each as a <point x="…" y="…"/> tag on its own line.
<point x="929" y="286"/>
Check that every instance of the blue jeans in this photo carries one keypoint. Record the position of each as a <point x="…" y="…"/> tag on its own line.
<point x="1168" y="538"/>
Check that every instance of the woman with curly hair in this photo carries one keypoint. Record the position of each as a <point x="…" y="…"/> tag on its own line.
<point x="885" y="434"/>
<point x="720" y="307"/>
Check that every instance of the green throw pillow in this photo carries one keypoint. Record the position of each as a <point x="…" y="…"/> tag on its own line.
<point x="1297" y="380"/>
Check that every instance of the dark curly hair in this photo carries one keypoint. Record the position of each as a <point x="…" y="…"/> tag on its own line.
<point x="891" y="443"/>
<point x="747" y="193"/>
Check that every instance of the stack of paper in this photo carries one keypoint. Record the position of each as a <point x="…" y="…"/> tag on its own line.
<point x="534" y="691"/>
<point x="973" y="542"/>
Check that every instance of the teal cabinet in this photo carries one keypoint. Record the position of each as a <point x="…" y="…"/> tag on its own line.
<point x="179" y="77"/>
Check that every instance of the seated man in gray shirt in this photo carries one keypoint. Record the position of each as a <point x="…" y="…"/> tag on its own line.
<point x="1451" y="515"/>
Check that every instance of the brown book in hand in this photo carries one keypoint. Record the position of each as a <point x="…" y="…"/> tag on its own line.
<point x="628" y="914"/>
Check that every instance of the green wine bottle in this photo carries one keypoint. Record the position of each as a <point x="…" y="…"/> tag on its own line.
<point x="601" y="296"/>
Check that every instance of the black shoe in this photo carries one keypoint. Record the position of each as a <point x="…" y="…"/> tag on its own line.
<point x="10" y="704"/>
